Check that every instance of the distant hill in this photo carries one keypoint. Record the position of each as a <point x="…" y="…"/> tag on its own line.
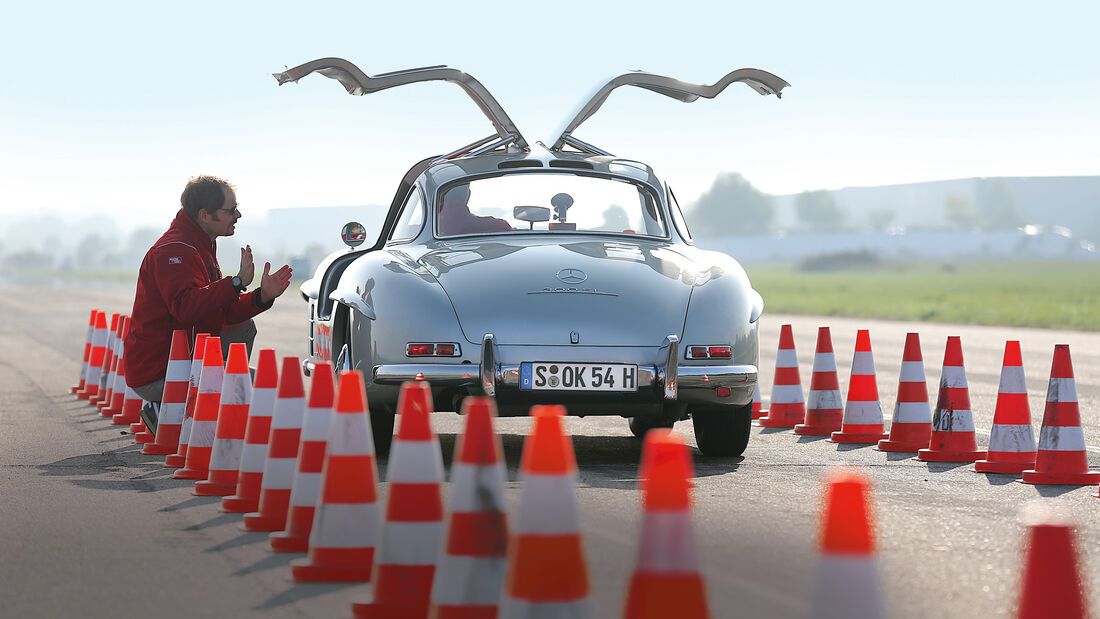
<point x="1069" y="201"/>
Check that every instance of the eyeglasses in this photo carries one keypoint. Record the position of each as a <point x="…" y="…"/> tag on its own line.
<point x="232" y="211"/>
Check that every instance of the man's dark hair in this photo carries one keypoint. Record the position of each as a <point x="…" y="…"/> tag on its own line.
<point x="204" y="193"/>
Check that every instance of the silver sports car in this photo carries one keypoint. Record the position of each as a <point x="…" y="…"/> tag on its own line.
<point x="536" y="274"/>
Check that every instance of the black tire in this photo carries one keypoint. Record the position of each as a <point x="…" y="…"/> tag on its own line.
<point x="640" y="425"/>
<point x="381" y="425"/>
<point x="723" y="432"/>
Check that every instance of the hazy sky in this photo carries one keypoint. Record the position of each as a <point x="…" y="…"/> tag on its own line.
<point x="113" y="105"/>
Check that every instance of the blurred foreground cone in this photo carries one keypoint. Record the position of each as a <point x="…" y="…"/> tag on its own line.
<point x="911" y="429"/>
<point x="107" y="396"/>
<point x="824" y="408"/>
<point x="180" y="457"/>
<point x="306" y="487"/>
<point x="225" y="458"/>
<point x="953" y="437"/>
<point x="256" y="434"/>
<point x="108" y="359"/>
<point x="87" y="354"/>
<point x="118" y="392"/>
<point x="847" y="572"/>
<point x="205" y="424"/>
<point x="174" y="398"/>
<point x="787" y="408"/>
<point x="95" y="358"/>
<point x="282" y="451"/>
<point x="346" y="523"/>
<point x="666" y="580"/>
<point x="862" y="422"/>
<point x="412" y="533"/>
<point x="1012" y="441"/>
<point x="546" y="572"/>
<point x="470" y="574"/>
<point x="757" y="407"/>
<point x="1061" y="458"/>
<point x="1051" y="584"/>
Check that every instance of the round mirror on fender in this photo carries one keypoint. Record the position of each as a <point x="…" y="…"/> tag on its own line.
<point x="353" y="234"/>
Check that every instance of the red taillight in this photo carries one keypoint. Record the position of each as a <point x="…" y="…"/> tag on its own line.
<point x="420" y="350"/>
<point x="445" y="350"/>
<point x="723" y="392"/>
<point x="709" y="352"/>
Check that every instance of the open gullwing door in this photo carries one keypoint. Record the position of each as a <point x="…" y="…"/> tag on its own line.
<point x="359" y="83"/>
<point x="761" y="81"/>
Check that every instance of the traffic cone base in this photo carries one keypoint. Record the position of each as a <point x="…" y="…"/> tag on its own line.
<point x="911" y="437"/>
<point x="853" y="434"/>
<point x="1003" y="463"/>
<point x="415" y="583"/>
<point x="292" y="540"/>
<point x="144" y="437"/>
<point x="238" y="504"/>
<point x="173" y="461"/>
<point x="275" y="503"/>
<point x="656" y="596"/>
<point x="359" y="562"/>
<point x="826" y="422"/>
<point x="210" y="488"/>
<point x="931" y="455"/>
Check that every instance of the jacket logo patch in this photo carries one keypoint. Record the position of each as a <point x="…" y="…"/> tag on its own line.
<point x="175" y="260"/>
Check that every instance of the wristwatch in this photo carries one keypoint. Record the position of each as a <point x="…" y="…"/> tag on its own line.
<point x="236" y="281"/>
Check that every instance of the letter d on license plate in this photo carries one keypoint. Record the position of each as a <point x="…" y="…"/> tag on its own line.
<point x="540" y="376"/>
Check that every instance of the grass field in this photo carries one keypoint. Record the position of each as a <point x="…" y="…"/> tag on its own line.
<point x="1061" y="295"/>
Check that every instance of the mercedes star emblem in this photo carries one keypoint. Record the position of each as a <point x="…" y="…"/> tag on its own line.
<point x="572" y="276"/>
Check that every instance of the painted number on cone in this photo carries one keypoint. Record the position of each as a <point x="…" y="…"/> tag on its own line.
<point x="539" y="376"/>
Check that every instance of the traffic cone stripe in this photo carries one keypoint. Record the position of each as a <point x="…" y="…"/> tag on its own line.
<point x="476" y="583"/>
<point x="545" y="568"/>
<point x="411" y="543"/>
<point x="342" y="526"/>
<point x="278" y="473"/>
<point x="911" y="372"/>
<point x="953" y="398"/>
<point x="786" y="376"/>
<point x="825" y="399"/>
<point x="351" y="440"/>
<point x="953" y="377"/>
<point x="342" y="467"/>
<point x="673" y="550"/>
<point x="836" y="574"/>
<point x="912" y="412"/>
<point x="1012" y="438"/>
<point x="1012" y="381"/>
<point x="283" y="444"/>
<point x="307" y="488"/>
<point x="311" y="455"/>
<point x="914" y="392"/>
<point x="477" y="534"/>
<point x="863" y="363"/>
<point x="253" y="456"/>
<point x="483" y="477"/>
<point x="946" y="420"/>
<point x="863" y="385"/>
<point x="414" y="502"/>
<point x="340" y="556"/>
<point x="824" y="362"/>
<point x="786" y="394"/>
<point x="417" y="461"/>
<point x="537" y="518"/>
<point x="786" y="358"/>
<point x="1062" y="390"/>
<point x="202" y="434"/>
<point x="1062" y="438"/>
<point x="862" y="413"/>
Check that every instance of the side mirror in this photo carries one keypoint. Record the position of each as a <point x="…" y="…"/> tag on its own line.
<point x="353" y="234"/>
<point x="531" y="214"/>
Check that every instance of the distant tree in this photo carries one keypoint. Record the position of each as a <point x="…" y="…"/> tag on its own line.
<point x="960" y="212"/>
<point x="997" y="206"/>
<point x="819" y="211"/>
<point x="732" y="206"/>
<point x="26" y="260"/>
<point x="879" y="219"/>
<point x="95" y="250"/>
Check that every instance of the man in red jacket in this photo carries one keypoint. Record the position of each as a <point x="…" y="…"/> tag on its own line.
<point x="180" y="286"/>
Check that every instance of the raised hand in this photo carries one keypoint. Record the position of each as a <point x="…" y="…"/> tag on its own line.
<point x="273" y="284"/>
<point x="248" y="269"/>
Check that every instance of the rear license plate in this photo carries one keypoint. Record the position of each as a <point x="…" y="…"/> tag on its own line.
<point x="540" y="376"/>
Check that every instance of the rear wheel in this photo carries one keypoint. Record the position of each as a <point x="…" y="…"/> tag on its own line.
<point x="724" y="431"/>
<point x="640" y="425"/>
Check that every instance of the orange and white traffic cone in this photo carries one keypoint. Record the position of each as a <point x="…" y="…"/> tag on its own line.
<point x="205" y="424"/>
<point x="825" y="408"/>
<point x="412" y="533"/>
<point x="787" y="408"/>
<point x="225" y="457"/>
<point x="282" y="451"/>
<point x="470" y="574"/>
<point x="666" y="580"/>
<point x="107" y="395"/>
<point x="546" y="567"/>
<point x="911" y="429"/>
<point x="306" y="487"/>
<point x="113" y="404"/>
<point x="953" y="438"/>
<point x="847" y="571"/>
<point x="130" y="409"/>
<point x="346" y="523"/>
<point x="757" y="406"/>
<point x="1061" y="458"/>
<point x="256" y="434"/>
<point x="1051" y="583"/>
<point x="87" y="354"/>
<point x="180" y="457"/>
<point x="1012" y="441"/>
<point x="95" y="358"/>
<point x="173" y="399"/>
<point x="862" y="421"/>
<point x="108" y="358"/>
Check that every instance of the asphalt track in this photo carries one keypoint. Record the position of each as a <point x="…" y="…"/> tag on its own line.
<point x="90" y="527"/>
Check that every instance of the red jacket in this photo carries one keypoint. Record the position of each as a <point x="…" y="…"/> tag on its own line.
<point x="180" y="286"/>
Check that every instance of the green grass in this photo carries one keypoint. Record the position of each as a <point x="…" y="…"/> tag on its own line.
<point x="1061" y="295"/>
